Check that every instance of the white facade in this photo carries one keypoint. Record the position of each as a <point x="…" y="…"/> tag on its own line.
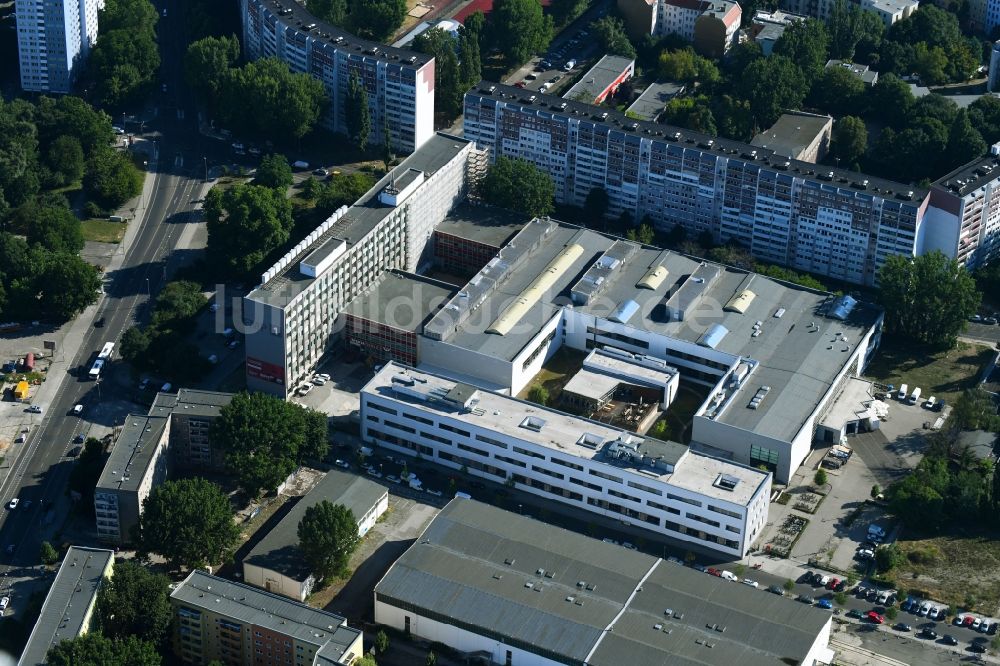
<point x="400" y="84"/>
<point x="839" y="224"/>
<point x="290" y="323"/>
<point x="993" y="83"/>
<point x="493" y="439"/>
<point x="891" y="11"/>
<point x="53" y="39"/>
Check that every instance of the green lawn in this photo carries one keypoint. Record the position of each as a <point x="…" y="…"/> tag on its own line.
<point x="103" y="231"/>
<point x="944" y="374"/>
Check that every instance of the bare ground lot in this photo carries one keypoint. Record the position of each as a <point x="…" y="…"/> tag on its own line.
<point x="944" y="374"/>
<point x="956" y="568"/>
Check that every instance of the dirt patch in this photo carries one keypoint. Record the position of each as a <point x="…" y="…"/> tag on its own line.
<point x="962" y="569"/>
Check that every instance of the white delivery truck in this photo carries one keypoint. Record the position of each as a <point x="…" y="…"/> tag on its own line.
<point x="915" y="396"/>
<point x="903" y="390"/>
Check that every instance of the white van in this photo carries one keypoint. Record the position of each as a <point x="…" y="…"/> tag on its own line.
<point x="931" y="401"/>
<point x="915" y="396"/>
<point x="903" y="390"/>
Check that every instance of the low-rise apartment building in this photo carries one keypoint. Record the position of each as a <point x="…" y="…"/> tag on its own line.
<point x="656" y="485"/>
<point x="239" y="625"/>
<point x="602" y="80"/>
<point x="289" y="319"/>
<point x="69" y="605"/>
<point x="818" y="219"/>
<point x="711" y="25"/>
<point x="400" y="83"/>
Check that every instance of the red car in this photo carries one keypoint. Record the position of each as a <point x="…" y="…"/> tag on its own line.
<point x="834" y="582"/>
<point x="969" y="619"/>
<point x="713" y="571"/>
<point x="875" y="617"/>
<point x="519" y="84"/>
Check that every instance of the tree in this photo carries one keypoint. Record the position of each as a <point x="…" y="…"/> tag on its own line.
<point x="178" y="301"/>
<point x="207" y="63"/>
<point x="93" y="649"/>
<point x="849" y="140"/>
<point x="519" y="29"/>
<point x="85" y="473"/>
<point x="134" y="345"/>
<point x="134" y="602"/>
<point x="838" y="91"/>
<point x="50" y="223"/>
<point x="609" y="32"/>
<point x="470" y="66"/>
<point x="890" y="100"/>
<point x="73" y="117"/>
<point x="596" y="204"/>
<point x="927" y="299"/>
<point x="359" y="119"/>
<point x="820" y="477"/>
<point x="448" y="83"/>
<point x="565" y="11"/>
<point x="286" y="105"/>
<point x="366" y="660"/>
<point x="984" y="114"/>
<point x="891" y="612"/>
<point x="377" y="19"/>
<point x="381" y="641"/>
<point x="328" y="535"/>
<point x="245" y="224"/>
<point x="888" y="557"/>
<point x="65" y="159"/>
<point x="110" y="178"/>
<point x="518" y="185"/>
<point x="265" y="438"/>
<point x="65" y="286"/>
<point x="343" y="190"/>
<point x="331" y="11"/>
<point x="274" y="171"/>
<point x="539" y="395"/>
<point x="678" y="65"/>
<point x="643" y="234"/>
<point x="876" y="491"/>
<point x="806" y="44"/>
<point x="965" y="143"/>
<point x="789" y="585"/>
<point x="690" y="112"/>
<point x="121" y="66"/>
<point x="431" y="660"/>
<point x="47" y="554"/>
<point x="771" y="86"/>
<point x="189" y="522"/>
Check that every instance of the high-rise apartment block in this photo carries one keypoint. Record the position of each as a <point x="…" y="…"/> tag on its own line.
<point x="289" y="319"/>
<point x="813" y="218"/>
<point x="964" y="216"/>
<point x="400" y="83"/>
<point x="53" y="38"/>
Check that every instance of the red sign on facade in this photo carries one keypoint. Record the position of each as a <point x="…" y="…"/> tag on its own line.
<point x="263" y="370"/>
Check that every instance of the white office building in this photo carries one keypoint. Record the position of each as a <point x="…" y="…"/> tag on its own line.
<point x="400" y="83"/>
<point x="656" y="485"/>
<point x="53" y="40"/>
<point x="290" y="318"/>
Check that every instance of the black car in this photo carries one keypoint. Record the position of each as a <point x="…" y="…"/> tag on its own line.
<point x="855" y="613"/>
<point x="978" y="647"/>
<point x="776" y="589"/>
<point x="74" y="452"/>
<point x="78" y="439"/>
<point x="99" y="323"/>
<point x="902" y="626"/>
<point x="840" y="587"/>
<point x="939" y="405"/>
<point x="806" y="599"/>
<point x="928" y="633"/>
<point x="949" y="640"/>
<point x="807" y="577"/>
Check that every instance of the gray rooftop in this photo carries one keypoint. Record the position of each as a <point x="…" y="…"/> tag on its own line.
<point x="191" y="402"/>
<point x="401" y="300"/>
<point x="359" y="220"/>
<point x="550" y="105"/>
<point x="328" y="35"/>
<point x="132" y="452"/>
<point x="599" y="78"/>
<point x="799" y="362"/>
<point x="792" y="133"/>
<point x="575" y="599"/>
<point x="250" y="605"/>
<point x="569" y="435"/>
<point x="278" y="550"/>
<point x="68" y="603"/>
<point x="650" y="103"/>
<point x="867" y="75"/>
<point x="970" y="177"/>
<point x="481" y="223"/>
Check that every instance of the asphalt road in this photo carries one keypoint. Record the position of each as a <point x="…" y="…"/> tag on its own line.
<point x="41" y="471"/>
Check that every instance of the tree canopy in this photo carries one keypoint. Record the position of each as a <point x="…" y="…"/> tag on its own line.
<point x="93" y="649"/>
<point x="928" y="298"/>
<point x="134" y="602"/>
<point x="343" y="190"/>
<point x="772" y="85"/>
<point x="110" y="178"/>
<point x="286" y="105"/>
<point x="189" y="522"/>
<point x="448" y="84"/>
<point x="274" y="171"/>
<point x="124" y="61"/>
<point x="805" y="43"/>
<point x="849" y="140"/>
<point x="359" y="114"/>
<point x="245" y="224"/>
<point x="328" y="535"/>
<point x="206" y="64"/>
<point x="609" y="31"/>
<point x="266" y="438"/>
<point x="519" y="29"/>
<point x="518" y="185"/>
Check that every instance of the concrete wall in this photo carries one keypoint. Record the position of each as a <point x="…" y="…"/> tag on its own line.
<point x="272" y="581"/>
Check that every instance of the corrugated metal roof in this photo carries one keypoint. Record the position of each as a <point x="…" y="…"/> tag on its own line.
<point x="474" y="562"/>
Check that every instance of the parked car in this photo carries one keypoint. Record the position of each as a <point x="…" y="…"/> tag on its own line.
<point x="371" y="471"/>
<point x="78" y="409"/>
<point x="824" y="603"/>
<point x="856" y="614"/>
<point x="74" y="452"/>
<point x="925" y="608"/>
<point x="806" y="599"/>
<point x="832" y="583"/>
<point x="902" y="626"/>
<point x="729" y="575"/>
<point x="4" y="602"/>
<point x="928" y="633"/>
<point x="776" y="589"/>
<point x="712" y="571"/>
<point x="13" y="503"/>
<point x="436" y="493"/>
<point x="978" y="648"/>
<point x="976" y="624"/>
<point x="751" y="582"/>
<point x="949" y="640"/>
<point x="392" y="479"/>
<point x="35" y="409"/>
<point x="342" y="463"/>
<point x="321" y="172"/>
<point x="875" y="617"/>
<point x="806" y="577"/>
<point x="823" y="580"/>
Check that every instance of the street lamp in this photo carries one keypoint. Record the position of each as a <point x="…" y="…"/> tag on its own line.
<point x="148" y="295"/>
<point x="205" y="160"/>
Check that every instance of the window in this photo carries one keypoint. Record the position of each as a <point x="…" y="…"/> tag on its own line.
<point x="382" y="408"/>
<point x="686" y="500"/>
<point x="759" y="454"/>
<point x="602" y="475"/>
<point x="648" y="489"/>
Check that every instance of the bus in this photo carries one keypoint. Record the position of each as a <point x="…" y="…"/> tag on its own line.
<point x="103" y="358"/>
